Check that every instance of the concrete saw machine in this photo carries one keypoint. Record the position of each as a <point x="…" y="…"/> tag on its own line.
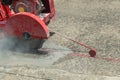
<point x="26" y="20"/>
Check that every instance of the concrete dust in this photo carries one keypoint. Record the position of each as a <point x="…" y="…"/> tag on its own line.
<point x="45" y="57"/>
<point x="94" y="22"/>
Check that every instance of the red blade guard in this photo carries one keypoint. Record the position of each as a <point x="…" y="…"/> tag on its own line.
<point x="21" y="23"/>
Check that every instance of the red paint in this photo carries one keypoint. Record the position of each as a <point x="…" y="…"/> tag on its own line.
<point x="101" y="58"/>
<point x="92" y="51"/>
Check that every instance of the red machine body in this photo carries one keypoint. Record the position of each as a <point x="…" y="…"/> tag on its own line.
<point x="27" y="18"/>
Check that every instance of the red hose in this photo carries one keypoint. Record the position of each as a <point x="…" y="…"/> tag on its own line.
<point x="92" y="51"/>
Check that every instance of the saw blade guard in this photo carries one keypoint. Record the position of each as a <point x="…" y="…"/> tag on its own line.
<point x="24" y="23"/>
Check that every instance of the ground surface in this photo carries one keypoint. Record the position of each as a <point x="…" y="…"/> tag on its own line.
<point x="94" y="22"/>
